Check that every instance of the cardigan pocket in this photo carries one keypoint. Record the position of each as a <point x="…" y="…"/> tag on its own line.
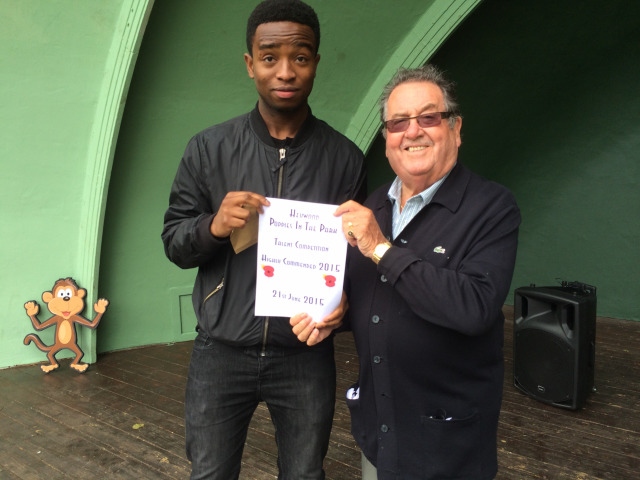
<point x="358" y="427"/>
<point x="451" y="445"/>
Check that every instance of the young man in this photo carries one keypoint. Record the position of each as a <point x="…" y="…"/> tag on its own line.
<point x="435" y="254"/>
<point x="277" y="150"/>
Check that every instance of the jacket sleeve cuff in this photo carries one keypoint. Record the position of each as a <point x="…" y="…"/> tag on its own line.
<point x="204" y="238"/>
<point x="395" y="261"/>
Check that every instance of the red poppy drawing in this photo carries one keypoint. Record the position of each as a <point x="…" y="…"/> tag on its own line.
<point x="330" y="280"/>
<point x="268" y="270"/>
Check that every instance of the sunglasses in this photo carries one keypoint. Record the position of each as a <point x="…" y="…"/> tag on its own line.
<point x="425" y="120"/>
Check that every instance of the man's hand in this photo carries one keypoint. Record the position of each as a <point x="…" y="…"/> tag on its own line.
<point x="312" y="333"/>
<point x="234" y="212"/>
<point x="360" y="227"/>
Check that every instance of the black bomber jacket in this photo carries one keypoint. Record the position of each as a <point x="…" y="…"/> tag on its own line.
<point x="318" y="165"/>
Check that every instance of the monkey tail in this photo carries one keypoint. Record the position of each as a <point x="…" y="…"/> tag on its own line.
<point x="35" y="339"/>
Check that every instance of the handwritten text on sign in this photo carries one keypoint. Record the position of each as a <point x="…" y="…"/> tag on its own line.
<point x="301" y="259"/>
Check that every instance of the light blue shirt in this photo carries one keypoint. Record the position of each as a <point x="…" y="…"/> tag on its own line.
<point x="416" y="203"/>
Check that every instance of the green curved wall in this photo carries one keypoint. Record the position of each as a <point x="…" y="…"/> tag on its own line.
<point x="549" y="96"/>
<point x="64" y="72"/>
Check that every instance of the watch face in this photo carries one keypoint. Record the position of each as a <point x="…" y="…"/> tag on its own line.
<point x="379" y="251"/>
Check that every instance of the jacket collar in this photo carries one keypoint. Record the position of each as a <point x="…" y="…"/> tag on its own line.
<point x="260" y="128"/>
<point x="452" y="190"/>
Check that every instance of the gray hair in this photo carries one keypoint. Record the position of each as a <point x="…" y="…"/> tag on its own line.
<point x="426" y="73"/>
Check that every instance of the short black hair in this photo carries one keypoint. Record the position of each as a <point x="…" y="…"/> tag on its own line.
<point x="295" y="11"/>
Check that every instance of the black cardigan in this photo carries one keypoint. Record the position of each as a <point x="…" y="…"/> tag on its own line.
<point x="428" y="325"/>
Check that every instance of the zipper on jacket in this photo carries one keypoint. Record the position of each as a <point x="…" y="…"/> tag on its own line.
<point x="265" y="330"/>
<point x="283" y="153"/>
<point x="215" y="290"/>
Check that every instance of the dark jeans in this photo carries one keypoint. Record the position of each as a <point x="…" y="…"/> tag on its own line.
<point x="224" y="387"/>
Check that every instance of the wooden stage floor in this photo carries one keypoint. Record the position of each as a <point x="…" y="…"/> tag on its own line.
<point x="123" y="419"/>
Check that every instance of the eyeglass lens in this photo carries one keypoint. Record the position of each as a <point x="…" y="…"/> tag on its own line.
<point x="426" y="120"/>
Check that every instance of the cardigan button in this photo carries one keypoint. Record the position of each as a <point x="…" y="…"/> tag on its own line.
<point x="384" y="428"/>
<point x="377" y="359"/>
<point x="383" y="279"/>
<point x="375" y="319"/>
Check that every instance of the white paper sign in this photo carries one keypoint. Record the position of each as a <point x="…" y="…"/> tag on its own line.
<point x="301" y="259"/>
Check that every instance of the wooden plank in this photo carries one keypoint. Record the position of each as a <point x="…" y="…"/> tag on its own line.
<point x="39" y="441"/>
<point x="106" y="431"/>
<point x="61" y="424"/>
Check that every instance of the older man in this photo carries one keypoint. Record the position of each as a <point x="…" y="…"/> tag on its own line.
<point x="435" y="255"/>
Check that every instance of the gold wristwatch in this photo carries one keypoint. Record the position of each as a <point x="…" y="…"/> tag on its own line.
<point x="380" y="250"/>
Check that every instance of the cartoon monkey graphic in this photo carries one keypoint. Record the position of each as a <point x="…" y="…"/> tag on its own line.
<point x="66" y="302"/>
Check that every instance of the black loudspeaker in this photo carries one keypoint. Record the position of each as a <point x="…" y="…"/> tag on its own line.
<point x="554" y="342"/>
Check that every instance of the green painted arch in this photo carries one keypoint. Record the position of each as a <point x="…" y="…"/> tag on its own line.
<point x="132" y="22"/>
<point x="431" y="30"/>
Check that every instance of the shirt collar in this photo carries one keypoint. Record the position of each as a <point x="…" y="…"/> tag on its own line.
<point x="395" y="190"/>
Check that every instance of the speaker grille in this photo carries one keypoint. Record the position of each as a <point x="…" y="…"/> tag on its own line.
<point x="545" y="366"/>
